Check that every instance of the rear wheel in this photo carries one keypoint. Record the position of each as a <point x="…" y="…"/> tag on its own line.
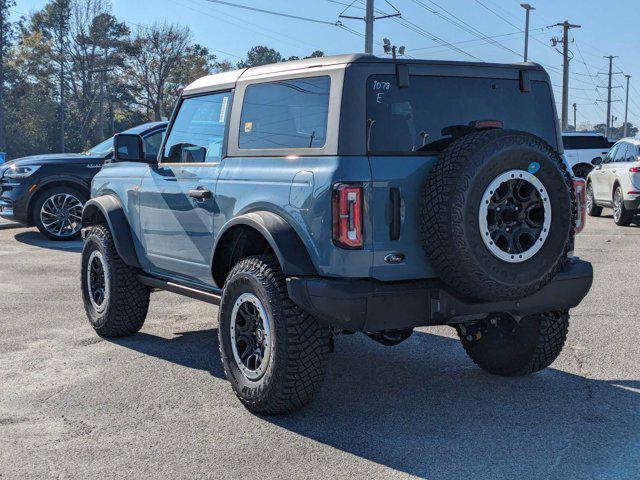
<point x="621" y="216"/>
<point x="593" y="210"/>
<point x="273" y="353"/>
<point x="57" y="212"/>
<point x="504" y="346"/>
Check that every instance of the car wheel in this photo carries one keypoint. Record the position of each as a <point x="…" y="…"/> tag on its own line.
<point x="273" y="353"/>
<point x="621" y="216"/>
<point x="582" y="170"/>
<point x="593" y="210"/>
<point x="502" y="345"/>
<point x="115" y="301"/>
<point x="57" y="212"/>
<point x="498" y="214"/>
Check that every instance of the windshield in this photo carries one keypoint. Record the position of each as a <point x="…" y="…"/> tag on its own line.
<point x="102" y="149"/>
<point x="412" y="119"/>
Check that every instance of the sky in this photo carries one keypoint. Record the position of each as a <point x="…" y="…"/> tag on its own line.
<point x="429" y="29"/>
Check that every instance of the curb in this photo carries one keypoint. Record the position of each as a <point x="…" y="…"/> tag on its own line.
<point x="7" y="226"/>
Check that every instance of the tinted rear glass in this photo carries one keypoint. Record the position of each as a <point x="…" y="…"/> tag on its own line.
<point x="285" y="114"/>
<point x="586" y="142"/>
<point x="412" y="119"/>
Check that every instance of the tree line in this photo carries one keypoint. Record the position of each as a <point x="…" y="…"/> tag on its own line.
<point x="73" y="74"/>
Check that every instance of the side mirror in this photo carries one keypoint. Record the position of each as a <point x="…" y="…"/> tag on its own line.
<point x="128" y="147"/>
<point x="596" y="161"/>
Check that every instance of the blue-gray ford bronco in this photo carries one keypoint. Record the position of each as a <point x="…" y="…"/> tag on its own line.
<point x="346" y="194"/>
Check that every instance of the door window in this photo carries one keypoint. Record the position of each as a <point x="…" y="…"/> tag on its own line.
<point x="612" y="153"/>
<point x="197" y="133"/>
<point x="621" y="153"/>
<point x="285" y="114"/>
<point x="631" y="153"/>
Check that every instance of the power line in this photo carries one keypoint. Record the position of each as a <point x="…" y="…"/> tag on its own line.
<point x="272" y="12"/>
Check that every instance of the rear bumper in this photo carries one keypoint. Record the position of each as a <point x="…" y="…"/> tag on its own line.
<point x="370" y="305"/>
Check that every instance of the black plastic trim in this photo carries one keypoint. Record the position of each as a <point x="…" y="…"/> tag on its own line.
<point x="212" y="297"/>
<point x="370" y="306"/>
<point x="118" y="224"/>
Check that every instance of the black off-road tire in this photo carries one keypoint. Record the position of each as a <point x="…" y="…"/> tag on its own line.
<point x="624" y="217"/>
<point x="41" y="197"/>
<point x="126" y="300"/>
<point x="593" y="210"/>
<point x="450" y="209"/>
<point x="511" y="348"/>
<point x="300" y="344"/>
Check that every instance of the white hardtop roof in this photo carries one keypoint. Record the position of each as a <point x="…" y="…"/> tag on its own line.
<point x="221" y="81"/>
<point x="224" y="80"/>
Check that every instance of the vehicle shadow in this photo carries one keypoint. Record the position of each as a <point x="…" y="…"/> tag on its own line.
<point x="36" y="239"/>
<point x="422" y="408"/>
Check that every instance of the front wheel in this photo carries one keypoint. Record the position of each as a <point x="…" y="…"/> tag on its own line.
<point x="593" y="210"/>
<point x="621" y="216"/>
<point x="502" y="345"/>
<point x="273" y="353"/>
<point x="57" y="212"/>
<point x="114" y="299"/>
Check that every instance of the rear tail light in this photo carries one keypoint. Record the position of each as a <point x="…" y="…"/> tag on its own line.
<point x="634" y="169"/>
<point x="347" y="215"/>
<point x="579" y="187"/>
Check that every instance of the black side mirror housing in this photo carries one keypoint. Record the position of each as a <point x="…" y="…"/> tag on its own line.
<point x="596" y="161"/>
<point x="128" y="147"/>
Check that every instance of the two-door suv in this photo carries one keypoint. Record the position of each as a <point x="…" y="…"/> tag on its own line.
<point x="343" y="194"/>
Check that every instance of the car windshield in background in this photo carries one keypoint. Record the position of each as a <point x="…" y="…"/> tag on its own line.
<point x="586" y="142"/>
<point x="102" y="149"/>
<point x="412" y="119"/>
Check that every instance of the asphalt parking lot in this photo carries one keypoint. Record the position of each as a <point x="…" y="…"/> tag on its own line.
<point x="156" y="405"/>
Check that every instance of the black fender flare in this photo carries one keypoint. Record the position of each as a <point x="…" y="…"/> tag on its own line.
<point x="111" y="209"/>
<point x="284" y="241"/>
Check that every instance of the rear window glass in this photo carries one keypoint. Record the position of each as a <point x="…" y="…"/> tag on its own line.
<point x="587" y="142"/>
<point x="412" y="119"/>
<point x="285" y="114"/>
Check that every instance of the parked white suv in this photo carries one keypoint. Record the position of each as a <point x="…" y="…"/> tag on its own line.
<point x="615" y="182"/>
<point x="581" y="148"/>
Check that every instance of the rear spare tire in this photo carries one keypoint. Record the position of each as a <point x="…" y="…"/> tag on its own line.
<point x="498" y="214"/>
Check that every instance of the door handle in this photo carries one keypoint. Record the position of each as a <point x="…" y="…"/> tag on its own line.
<point x="200" y="194"/>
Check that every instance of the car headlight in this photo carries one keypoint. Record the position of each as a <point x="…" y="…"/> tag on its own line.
<point x="15" y="172"/>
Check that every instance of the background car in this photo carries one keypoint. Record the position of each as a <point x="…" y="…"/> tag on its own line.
<point x="581" y="148"/>
<point x="49" y="191"/>
<point x="615" y="182"/>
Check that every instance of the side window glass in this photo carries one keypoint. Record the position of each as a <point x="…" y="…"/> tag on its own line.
<point x="197" y="134"/>
<point x="631" y="153"/>
<point x="621" y="153"/>
<point x="285" y="114"/>
<point x="612" y="154"/>
<point x="152" y="143"/>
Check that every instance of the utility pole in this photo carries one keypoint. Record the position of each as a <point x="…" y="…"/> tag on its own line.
<point x="566" y="26"/>
<point x="528" y="8"/>
<point x="369" y="19"/>
<point x="609" y="87"/>
<point x="575" y="114"/>
<point x="626" y="108"/>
